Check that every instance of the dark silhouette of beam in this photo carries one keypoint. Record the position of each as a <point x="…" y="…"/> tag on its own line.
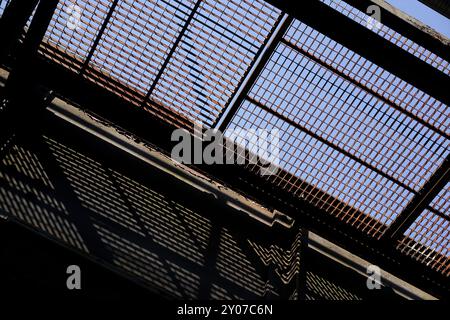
<point x="419" y="202"/>
<point x="265" y="56"/>
<point x="25" y="100"/>
<point x="441" y="6"/>
<point x="374" y="47"/>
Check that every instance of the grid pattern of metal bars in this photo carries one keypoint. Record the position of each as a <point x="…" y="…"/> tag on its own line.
<point x="356" y="140"/>
<point x="390" y="34"/>
<point x="136" y="41"/>
<point x="339" y="137"/>
<point x="327" y="169"/>
<point x="184" y="56"/>
<point x="352" y="129"/>
<point x="212" y="57"/>
<point x="70" y="36"/>
<point x="348" y="117"/>
<point x="441" y="202"/>
<point x="398" y="92"/>
<point x="428" y="240"/>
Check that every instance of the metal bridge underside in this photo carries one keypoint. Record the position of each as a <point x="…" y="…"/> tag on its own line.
<point x="363" y="113"/>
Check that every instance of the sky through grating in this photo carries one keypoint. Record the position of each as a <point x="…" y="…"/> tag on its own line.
<point x="348" y="127"/>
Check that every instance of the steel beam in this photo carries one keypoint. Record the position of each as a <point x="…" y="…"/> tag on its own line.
<point x="419" y="203"/>
<point x="171" y="52"/>
<point x="264" y="55"/>
<point x="408" y="26"/>
<point x="68" y="125"/>
<point x="371" y="46"/>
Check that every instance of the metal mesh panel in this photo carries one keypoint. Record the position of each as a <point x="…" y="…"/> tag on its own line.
<point x="369" y="75"/>
<point x="318" y="164"/>
<point x="356" y="140"/>
<point x="184" y="56"/>
<point x="136" y="42"/>
<point x="348" y="128"/>
<point x="441" y="202"/>
<point x="214" y="53"/>
<point x="391" y="35"/>
<point x="428" y="240"/>
<point x="340" y="138"/>
<point x="69" y="39"/>
<point x="322" y="102"/>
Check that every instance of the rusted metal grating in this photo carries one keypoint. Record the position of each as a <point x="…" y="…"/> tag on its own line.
<point x="391" y="35"/>
<point x="441" y="202"/>
<point x="136" y="41"/>
<point x="428" y="240"/>
<point x="356" y="140"/>
<point x="397" y="92"/>
<point x="68" y="41"/>
<point x="319" y="165"/>
<point x="172" y="57"/>
<point x="349" y="118"/>
<point x="218" y="47"/>
<point x="339" y="137"/>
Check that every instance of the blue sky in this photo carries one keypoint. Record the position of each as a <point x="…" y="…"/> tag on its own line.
<point x="423" y="13"/>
